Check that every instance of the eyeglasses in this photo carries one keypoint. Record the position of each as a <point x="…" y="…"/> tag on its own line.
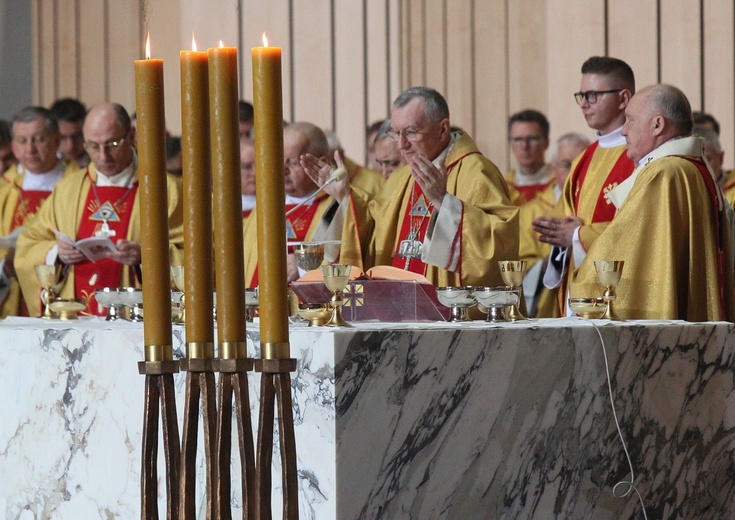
<point x="410" y="134"/>
<point x="93" y="147"/>
<point x="531" y="140"/>
<point x="591" y="95"/>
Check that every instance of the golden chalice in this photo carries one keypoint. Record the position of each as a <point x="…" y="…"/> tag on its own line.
<point x="336" y="277"/>
<point x="609" y="273"/>
<point x="513" y="272"/>
<point x="177" y="271"/>
<point x="49" y="276"/>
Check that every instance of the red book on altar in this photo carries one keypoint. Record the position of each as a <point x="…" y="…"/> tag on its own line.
<point x="377" y="295"/>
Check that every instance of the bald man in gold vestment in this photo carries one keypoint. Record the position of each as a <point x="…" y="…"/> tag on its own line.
<point x="673" y="228"/>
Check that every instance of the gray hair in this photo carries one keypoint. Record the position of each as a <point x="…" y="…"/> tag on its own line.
<point x="318" y="145"/>
<point x="383" y="131"/>
<point x="674" y="106"/>
<point x="568" y="138"/>
<point x="436" y="107"/>
<point x="34" y="113"/>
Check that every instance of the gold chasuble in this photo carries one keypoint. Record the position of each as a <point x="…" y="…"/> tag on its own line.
<point x="364" y="178"/>
<point x="69" y="210"/>
<point x="674" y="240"/>
<point x="532" y="250"/>
<point x="18" y="208"/>
<point x="300" y="227"/>
<point x="486" y="222"/>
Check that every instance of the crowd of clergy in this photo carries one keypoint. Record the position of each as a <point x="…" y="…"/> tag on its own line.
<point x="650" y="191"/>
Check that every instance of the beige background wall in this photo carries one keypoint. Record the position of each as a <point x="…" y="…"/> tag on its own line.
<point x="345" y="60"/>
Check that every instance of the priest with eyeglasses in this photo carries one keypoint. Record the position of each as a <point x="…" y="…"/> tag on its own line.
<point x="100" y="201"/>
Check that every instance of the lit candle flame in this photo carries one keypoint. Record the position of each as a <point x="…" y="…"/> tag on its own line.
<point x="221" y="44"/>
<point x="265" y="40"/>
<point x="148" y="46"/>
<point x="193" y="42"/>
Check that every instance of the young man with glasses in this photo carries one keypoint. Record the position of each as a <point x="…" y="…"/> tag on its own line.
<point x="528" y="135"/>
<point x="584" y="210"/>
<point x="35" y="141"/>
<point x="446" y="215"/>
<point x="99" y="201"/>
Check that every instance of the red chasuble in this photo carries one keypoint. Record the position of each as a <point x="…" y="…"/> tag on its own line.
<point x="413" y="228"/>
<point x="116" y="205"/>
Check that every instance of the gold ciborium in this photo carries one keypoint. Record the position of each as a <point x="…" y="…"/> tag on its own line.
<point x="49" y="276"/>
<point x="309" y="255"/>
<point x="177" y="272"/>
<point x="336" y="277"/>
<point x="513" y="272"/>
<point x="608" y="274"/>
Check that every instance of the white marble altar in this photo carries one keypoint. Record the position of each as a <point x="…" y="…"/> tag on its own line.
<point x="415" y="421"/>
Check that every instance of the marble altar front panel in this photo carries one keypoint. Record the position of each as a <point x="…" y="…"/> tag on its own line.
<point x="417" y="421"/>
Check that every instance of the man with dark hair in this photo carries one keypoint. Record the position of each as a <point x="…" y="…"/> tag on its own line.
<point x="7" y="157"/>
<point x="585" y="210"/>
<point x="445" y="215"/>
<point x="70" y="114"/>
<point x="528" y="135"/>
<point x="370" y="134"/>
<point x="99" y="201"/>
<point x="245" y="115"/>
<point x="29" y="182"/>
<point x="673" y="228"/>
<point x="705" y="120"/>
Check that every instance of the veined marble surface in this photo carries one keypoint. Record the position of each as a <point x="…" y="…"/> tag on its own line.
<point x="410" y="421"/>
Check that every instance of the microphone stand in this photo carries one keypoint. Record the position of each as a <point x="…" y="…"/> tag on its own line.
<point x="338" y="175"/>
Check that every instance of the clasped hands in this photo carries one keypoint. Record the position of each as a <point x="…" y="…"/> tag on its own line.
<point x="128" y="253"/>
<point x="556" y="231"/>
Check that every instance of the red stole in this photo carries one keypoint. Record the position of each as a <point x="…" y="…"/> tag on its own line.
<point x="105" y="272"/>
<point x="417" y="216"/>
<point x="246" y="213"/>
<point x="530" y="191"/>
<point x="28" y="203"/>
<point x="717" y="215"/>
<point x="604" y="209"/>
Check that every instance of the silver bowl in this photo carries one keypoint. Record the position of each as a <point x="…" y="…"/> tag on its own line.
<point x="492" y="300"/>
<point x="109" y="298"/>
<point x="458" y="299"/>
